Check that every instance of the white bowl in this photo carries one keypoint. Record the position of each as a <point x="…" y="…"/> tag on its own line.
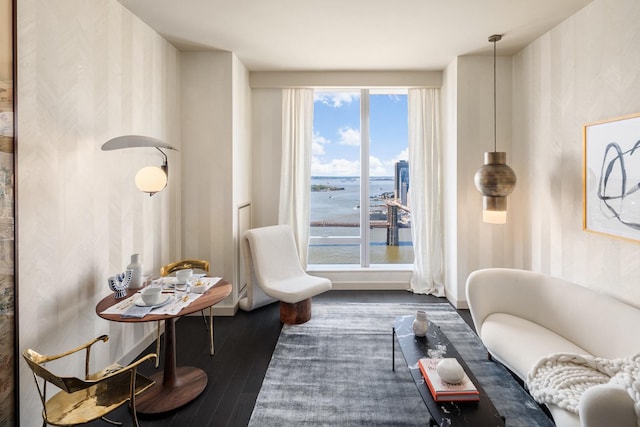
<point x="198" y="287"/>
<point x="151" y="295"/>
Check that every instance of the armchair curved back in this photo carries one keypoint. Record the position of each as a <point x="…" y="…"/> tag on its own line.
<point x="67" y="384"/>
<point x="196" y="264"/>
<point x="81" y="400"/>
<point x="274" y="253"/>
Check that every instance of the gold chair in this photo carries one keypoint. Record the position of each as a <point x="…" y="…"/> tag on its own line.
<point x="195" y="264"/>
<point x="81" y="400"/>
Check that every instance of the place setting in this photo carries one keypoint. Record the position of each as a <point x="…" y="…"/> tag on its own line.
<point x="164" y="295"/>
<point x="148" y="299"/>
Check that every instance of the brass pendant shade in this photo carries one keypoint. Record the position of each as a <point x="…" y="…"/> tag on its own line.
<point x="495" y="179"/>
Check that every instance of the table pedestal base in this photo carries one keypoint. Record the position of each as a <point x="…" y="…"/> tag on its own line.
<point x="188" y="385"/>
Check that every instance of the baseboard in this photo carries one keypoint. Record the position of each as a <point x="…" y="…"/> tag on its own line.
<point x="368" y="286"/>
<point x="219" y="310"/>
<point x="458" y="304"/>
<point x="225" y="310"/>
<point x="386" y="278"/>
<point x="137" y="349"/>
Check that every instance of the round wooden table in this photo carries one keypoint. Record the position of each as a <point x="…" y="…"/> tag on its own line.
<point x="176" y="385"/>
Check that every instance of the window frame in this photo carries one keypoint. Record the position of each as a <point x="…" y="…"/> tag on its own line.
<point x="364" y="239"/>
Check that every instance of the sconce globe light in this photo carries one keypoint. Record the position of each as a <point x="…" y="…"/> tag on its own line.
<point x="495" y="179"/>
<point x="149" y="179"/>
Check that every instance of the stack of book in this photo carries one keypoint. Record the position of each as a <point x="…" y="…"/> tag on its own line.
<point x="442" y="391"/>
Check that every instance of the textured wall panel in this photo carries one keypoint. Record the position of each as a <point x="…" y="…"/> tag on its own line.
<point x="88" y="71"/>
<point x="586" y="69"/>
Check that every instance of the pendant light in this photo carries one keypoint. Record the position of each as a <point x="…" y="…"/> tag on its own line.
<point x="495" y="179"/>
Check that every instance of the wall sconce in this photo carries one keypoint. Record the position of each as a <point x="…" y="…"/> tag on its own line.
<point x="495" y="179"/>
<point x="150" y="179"/>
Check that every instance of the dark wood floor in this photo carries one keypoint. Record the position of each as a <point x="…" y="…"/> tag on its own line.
<point x="243" y="347"/>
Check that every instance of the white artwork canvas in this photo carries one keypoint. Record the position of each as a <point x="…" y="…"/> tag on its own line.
<point x="611" y="177"/>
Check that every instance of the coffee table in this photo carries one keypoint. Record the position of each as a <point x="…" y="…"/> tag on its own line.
<point x="481" y="413"/>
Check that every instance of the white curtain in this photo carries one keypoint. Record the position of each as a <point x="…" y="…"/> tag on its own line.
<point x="425" y="150"/>
<point x="295" y="176"/>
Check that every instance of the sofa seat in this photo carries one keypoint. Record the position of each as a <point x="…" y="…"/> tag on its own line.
<point x="506" y="335"/>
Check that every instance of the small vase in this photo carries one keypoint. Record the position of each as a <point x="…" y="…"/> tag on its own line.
<point x="136" y="267"/>
<point x="420" y="324"/>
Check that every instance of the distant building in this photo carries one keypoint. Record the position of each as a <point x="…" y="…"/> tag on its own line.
<point x="402" y="181"/>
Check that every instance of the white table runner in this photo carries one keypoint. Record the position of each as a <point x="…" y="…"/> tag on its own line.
<point x="171" y="308"/>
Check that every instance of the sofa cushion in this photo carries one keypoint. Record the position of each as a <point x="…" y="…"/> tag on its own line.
<point x="518" y="343"/>
<point x="565" y="418"/>
<point x="607" y="405"/>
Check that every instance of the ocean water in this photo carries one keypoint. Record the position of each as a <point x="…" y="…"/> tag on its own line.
<point x="338" y="211"/>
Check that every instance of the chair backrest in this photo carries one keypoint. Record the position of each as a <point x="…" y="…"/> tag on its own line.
<point x="254" y="296"/>
<point x="274" y="253"/>
<point x="196" y="264"/>
<point x="94" y="396"/>
<point x="35" y="361"/>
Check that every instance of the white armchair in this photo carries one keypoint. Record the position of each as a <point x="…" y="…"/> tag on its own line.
<point x="277" y="269"/>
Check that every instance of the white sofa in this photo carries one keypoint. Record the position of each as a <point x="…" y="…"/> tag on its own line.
<point x="522" y="316"/>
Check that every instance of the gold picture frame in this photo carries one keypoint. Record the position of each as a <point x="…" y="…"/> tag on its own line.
<point x="611" y="177"/>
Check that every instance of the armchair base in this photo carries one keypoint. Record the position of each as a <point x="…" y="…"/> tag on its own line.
<point x="295" y="313"/>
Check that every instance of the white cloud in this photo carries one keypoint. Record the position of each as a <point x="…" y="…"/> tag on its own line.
<point x="378" y="168"/>
<point x="403" y="155"/>
<point x="317" y="144"/>
<point x="336" y="167"/>
<point x="335" y="100"/>
<point x="349" y="136"/>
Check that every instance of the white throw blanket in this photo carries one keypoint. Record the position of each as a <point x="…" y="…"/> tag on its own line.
<point x="561" y="378"/>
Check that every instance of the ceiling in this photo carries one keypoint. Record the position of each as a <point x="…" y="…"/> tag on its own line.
<point x="351" y="35"/>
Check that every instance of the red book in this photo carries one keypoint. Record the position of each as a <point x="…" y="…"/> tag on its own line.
<point x="443" y="391"/>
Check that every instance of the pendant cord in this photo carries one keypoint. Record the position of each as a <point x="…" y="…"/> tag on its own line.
<point x="495" y="121"/>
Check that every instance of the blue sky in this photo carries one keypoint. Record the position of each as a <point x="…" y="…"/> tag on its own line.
<point x="336" y="133"/>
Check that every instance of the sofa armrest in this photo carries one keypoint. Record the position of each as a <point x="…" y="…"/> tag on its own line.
<point x="606" y="405"/>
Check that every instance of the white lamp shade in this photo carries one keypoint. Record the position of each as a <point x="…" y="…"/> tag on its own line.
<point x="494" y="217"/>
<point x="151" y="179"/>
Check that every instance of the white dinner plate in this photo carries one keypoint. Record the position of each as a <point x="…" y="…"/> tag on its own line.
<point x="141" y="303"/>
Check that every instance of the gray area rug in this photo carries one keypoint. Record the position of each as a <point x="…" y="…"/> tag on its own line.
<point x="335" y="370"/>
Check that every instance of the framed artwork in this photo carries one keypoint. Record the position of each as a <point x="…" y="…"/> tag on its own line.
<point x="611" y="177"/>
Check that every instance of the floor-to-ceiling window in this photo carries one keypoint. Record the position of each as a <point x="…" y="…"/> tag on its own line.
<point x="360" y="212"/>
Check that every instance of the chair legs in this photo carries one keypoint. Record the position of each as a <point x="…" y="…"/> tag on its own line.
<point x="204" y="319"/>
<point x="209" y="326"/>
<point x="158" y="344"/>
<point x="211" y="349"/>
<point x="132" y="411"/>
<point x="107" y="420"/>
<point x="295" y="313"/>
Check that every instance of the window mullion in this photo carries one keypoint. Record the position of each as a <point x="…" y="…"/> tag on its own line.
<point x="364" y="179"/>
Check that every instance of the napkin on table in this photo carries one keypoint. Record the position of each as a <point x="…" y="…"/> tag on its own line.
<point x="137" y="311"/>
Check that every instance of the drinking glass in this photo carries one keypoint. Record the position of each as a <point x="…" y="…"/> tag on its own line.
<point x="181" y="290"/>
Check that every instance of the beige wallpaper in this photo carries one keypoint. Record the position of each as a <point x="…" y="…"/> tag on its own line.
<point x="88" y="71"/>
<point x="586" y="69"/>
